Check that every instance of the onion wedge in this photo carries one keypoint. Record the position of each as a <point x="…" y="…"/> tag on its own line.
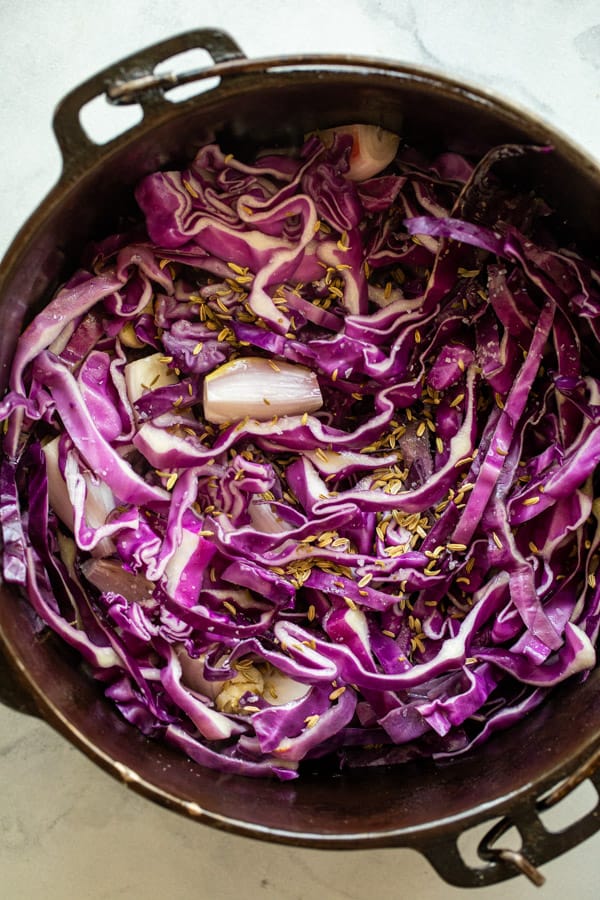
<point x="373" y="148"/>
<point x="260" y="389"/>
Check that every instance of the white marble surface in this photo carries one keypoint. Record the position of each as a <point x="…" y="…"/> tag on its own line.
<point x="66" y="829"/>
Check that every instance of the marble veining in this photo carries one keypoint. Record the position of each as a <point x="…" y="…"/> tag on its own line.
<point x="587" y="45"/>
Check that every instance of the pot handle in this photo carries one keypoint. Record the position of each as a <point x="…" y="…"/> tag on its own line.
<point x="538" y="844"/>
<point x="12" y="692"/>
<point x="75" y="145"/>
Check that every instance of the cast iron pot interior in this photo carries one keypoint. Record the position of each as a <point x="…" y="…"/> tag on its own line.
<point x="418" y="804"/>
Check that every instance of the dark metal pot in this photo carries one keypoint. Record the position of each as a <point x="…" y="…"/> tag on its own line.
<point x="422" y="805"/>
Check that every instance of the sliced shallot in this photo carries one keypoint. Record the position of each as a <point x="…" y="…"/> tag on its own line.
<point x="109" y="575"/>
<point x="373" y="148"/>
<point x="260" y="389"/>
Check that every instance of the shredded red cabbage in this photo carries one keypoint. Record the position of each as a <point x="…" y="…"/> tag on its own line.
<point x="398" y="570"/>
